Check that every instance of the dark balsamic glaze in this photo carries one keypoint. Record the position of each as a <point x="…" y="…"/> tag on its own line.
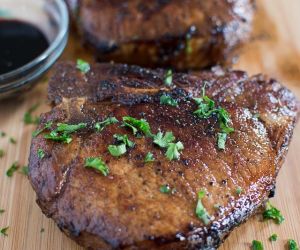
<point x="20" y="43"/>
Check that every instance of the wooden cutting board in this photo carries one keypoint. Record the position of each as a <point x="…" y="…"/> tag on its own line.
<point x="274" y="50"/>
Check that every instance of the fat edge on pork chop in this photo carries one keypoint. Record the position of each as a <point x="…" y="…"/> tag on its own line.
<point x="186" y="34"/>
<point x="186" y="202"/>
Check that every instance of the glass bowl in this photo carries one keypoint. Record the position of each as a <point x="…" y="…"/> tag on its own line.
<point x="51" y="17"/>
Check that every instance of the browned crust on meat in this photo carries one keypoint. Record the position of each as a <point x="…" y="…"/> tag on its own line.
<point x="156" y="33"/>
<point x="126" y="210"/>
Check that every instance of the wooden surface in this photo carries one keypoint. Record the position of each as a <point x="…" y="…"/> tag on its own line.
<point x="274" y="50"/>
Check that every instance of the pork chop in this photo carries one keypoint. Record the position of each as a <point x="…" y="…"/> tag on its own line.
<point x="157" y="204"/>
<point x="159" y="33"/>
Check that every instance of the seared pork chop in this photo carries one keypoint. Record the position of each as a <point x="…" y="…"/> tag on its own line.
<point x="155" y="205"/>
<point x="163" y="33"/>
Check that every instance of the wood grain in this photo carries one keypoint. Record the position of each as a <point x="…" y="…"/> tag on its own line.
<point x="274" y="50"/>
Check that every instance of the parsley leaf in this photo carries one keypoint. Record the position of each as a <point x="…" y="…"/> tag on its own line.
<point x="25" y="170"/>
<point x="12" y="140"/>
<point x="70" y="128"/>
<point x="273" y="213"/>
<point x="63" y="131"/>
<point x="292" y="245"/>
<point x="13" y="168"/>
<point x="47" y="126"/>
<point x="3" y="231"/>
<point x="137" y="125"/>
<point x="168" y="100"/>
<point x="83" y="66"/>
<point x="163" y="140"/>
<point x="98" y="164"/>
<point x="222" y="140"/>
<point x="224" y="119"/>
<point x="165" y="189"/>
<point x="168" y="78"/>
<point x="166" y="141"/>
<point x="1" y="153"/>
<point x="2" y="211"/>
<point x="173" y="150"/>
<point x="257" y="245"/>
<point x="41" y="153"/>
<point x="188" y="46"/>
<point x="201" y="212"/>
<point x="239" y="190"/>
<point x="54" y="136"/>
<point x="2" y="134"/>
<point x="28" y="118"/>
<point x="206" y="108"/>
<point x="99" y="126"/>
<point x="149" y="157"/>
<point x="117" y="150"/>
<point x="273" y="237"/>
<point x="124" y="139"/>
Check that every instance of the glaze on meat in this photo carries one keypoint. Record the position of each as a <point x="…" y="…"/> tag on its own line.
<point x="126" y="210"/>
<point x="187" y="34"/>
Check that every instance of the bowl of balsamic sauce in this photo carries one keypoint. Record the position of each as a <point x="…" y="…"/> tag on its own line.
<point x="33" y="34"/>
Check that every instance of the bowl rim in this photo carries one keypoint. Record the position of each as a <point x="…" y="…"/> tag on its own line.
<point x="63" y="29"/>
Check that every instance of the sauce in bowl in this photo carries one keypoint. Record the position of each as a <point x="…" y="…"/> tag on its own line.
<point x="20" y="43"/>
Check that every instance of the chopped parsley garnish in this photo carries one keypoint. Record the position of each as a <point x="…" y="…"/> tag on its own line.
<point x="257" y="245"/>
<point x="83" y="66"/>
<point x="201" y="212"/>
<point x="239" y="190"/>
<point x="163" y="140"/>
<point x="273" y="237"/>
<point x="12" y="140"/>
<point x="25" y="170"/>
<point x="99" y="126"/>
<point x="292" y="245"/>
<point x="28" y="118"/>
<point x="13" y="168"/>
<point x="69" y="128"/>
<point x="117" y="150"/>
<point x="273" y="213"/>
<point x="47" y="126"/>
<point x="168" y="78"/>
<point x="66" y="138"/>
<point x="168" y="100"/>
<point x="98" y="164"/>
<point x="166" y="141"/>
<point x="149" y="157"/>
<point x="63" y="131"/>
<point x="188" y="46"/>
<point x="173" y="150"/>
<point x="3" y="231"/>
<point x="2" y="211"/>
<point x="137" y="125"/>
<point x="224" y="119"/>
<point x="222" y="140"/>
<point x="41" y="153"/>
<point x="124" y="139"/>
<point x="165" y="189"/>
<point x="206" y="108"/>
<point x="42" y="230"/>
<point x="2" y="134"/>
<point x="1" y="153"/>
